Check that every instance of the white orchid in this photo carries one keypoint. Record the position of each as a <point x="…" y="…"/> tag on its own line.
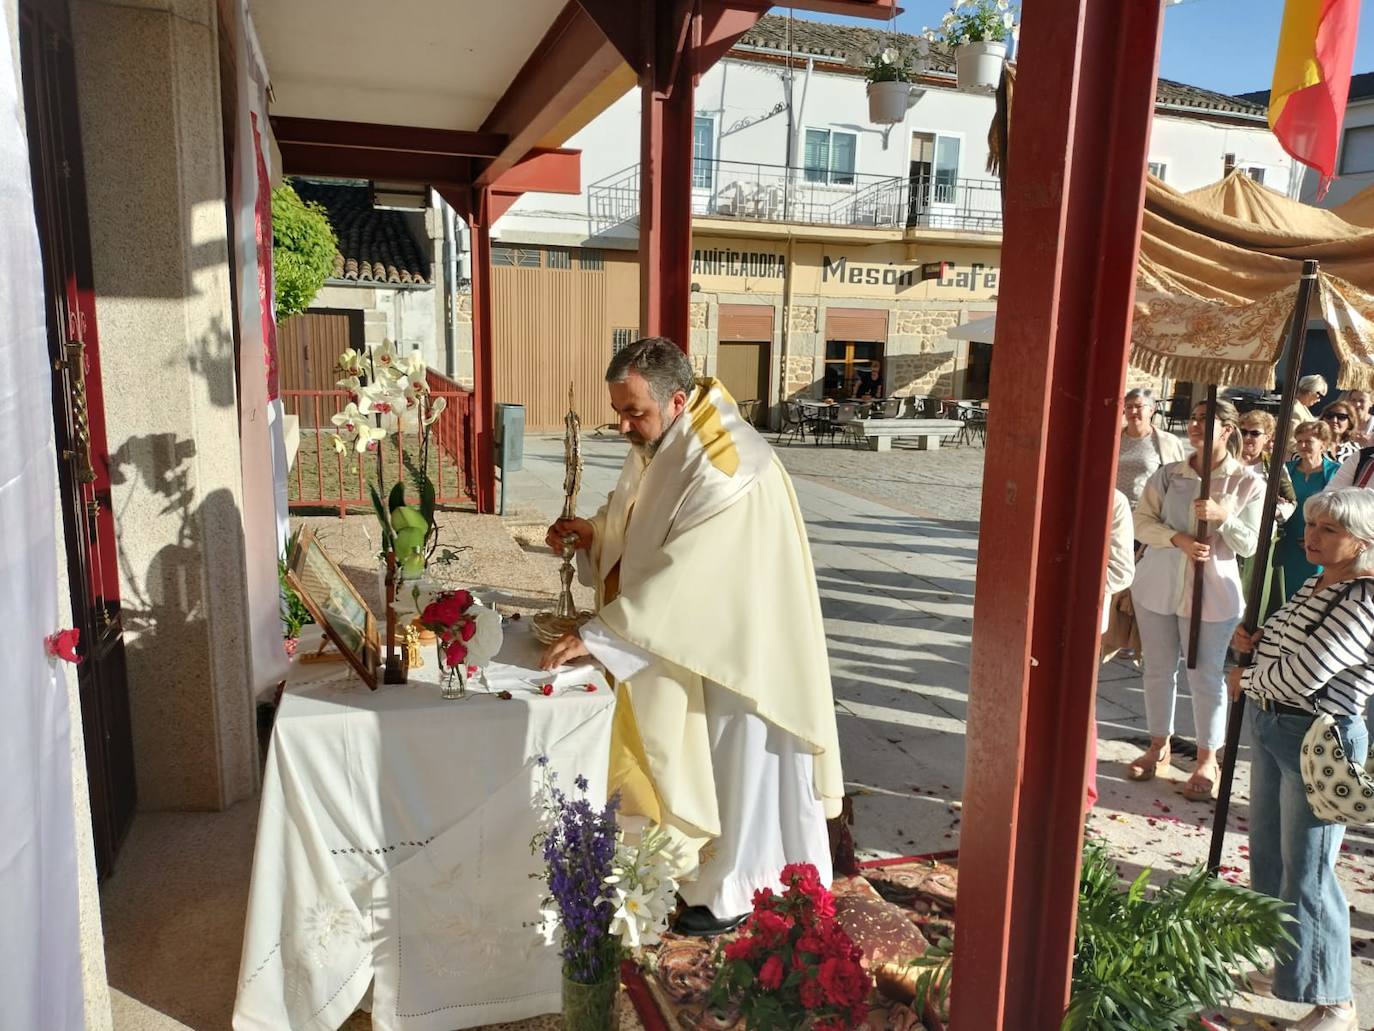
<point x="436" y="408"/>
<point x="414" y="366"/>
<point x="368" y="438"/>
<point x="348" y="420"/>
<point x="384" y="354"/>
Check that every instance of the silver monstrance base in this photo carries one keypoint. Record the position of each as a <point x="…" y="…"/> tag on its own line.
<point x="565" y="617"/>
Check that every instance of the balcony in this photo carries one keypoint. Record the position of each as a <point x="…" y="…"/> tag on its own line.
<point x="812" y="196"/>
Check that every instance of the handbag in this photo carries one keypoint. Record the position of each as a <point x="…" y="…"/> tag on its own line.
<point x="1338" y="790"/>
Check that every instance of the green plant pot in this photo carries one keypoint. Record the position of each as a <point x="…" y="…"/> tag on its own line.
<point x="591" y="1007"/>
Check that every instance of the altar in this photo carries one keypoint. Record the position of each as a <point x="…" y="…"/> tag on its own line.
<point x="393" y="844"/>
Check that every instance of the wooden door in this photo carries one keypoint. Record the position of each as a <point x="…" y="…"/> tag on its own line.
<point x="59" y="189"/>
<point x="743" y="368"/>
<point x="308" y="349"/>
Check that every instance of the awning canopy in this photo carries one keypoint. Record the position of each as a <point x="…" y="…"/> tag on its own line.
<point x="1218" y="276"/>
<point x="981" y="330"/>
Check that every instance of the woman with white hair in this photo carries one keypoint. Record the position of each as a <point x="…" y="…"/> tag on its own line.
<point x="1311" y="389"/>
<point x="1314" y="655"/>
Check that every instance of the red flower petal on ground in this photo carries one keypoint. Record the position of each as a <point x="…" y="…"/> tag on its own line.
<point x="546" y="690"/>
<point x="505" y="696"/>
<point x="62" y="645"/>
<point x="589" y="688"/>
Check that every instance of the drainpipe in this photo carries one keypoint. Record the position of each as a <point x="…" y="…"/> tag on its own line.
<point x="450" y="286"/>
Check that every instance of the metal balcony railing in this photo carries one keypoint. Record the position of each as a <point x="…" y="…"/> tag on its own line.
<point x="778" y="193"/>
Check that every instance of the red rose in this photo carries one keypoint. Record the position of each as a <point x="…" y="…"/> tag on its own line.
<point x="844" y="982"/>
<point x="823" y="905"/>
<point x="505" y="696"/>
<point x="463" y="599"/>
<point x="811" y="942"/>
<point x="546" y="690"/>
<point x="469" y="628"/>
<point x="803" y="880"/>
<point x="742" y="948"/>
<point x="770" y="974"/>
<point x="812" y="994"/>
<point x="772" y="928"/>
<point x="457" y="652"/>
<point x="764" y="899"/>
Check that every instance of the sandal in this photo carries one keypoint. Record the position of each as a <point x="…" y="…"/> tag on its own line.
<point x="1199" y="788"/>
<point x="1145" y="768"/>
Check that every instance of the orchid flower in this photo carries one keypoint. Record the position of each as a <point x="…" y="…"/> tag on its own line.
<point x="368" y="438"/>
<point x="348" y="420"/>
<point x="384" y="354"/>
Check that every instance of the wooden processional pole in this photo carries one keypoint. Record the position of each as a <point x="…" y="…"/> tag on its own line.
<point x="1204" y="531"/>
<point x="1293" y="350"/>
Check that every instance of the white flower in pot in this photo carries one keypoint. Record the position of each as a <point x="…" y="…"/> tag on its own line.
<point x="977" y="31"/>
<point x="890" y="71"/>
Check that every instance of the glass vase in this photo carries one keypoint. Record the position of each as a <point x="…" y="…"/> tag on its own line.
<point x="453" y="680"/>
<point x="592" y="1007"/>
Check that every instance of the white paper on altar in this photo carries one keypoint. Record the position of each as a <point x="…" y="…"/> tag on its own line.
<point x="393" y="842"/>
<point x="261" y="440"/>
<point x="40" y="951"/>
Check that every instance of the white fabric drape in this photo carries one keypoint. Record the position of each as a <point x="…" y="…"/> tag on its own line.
<point x="263" y="452"/>
<point x="40" y="951"/>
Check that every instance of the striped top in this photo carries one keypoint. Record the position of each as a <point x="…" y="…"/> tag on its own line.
<point x="1318" y="659"/>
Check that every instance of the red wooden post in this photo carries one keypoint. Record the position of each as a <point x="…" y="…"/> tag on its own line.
<point x="1073" y="200"/>
<point x="483" y="385"/>
<point x="667" y="87"/>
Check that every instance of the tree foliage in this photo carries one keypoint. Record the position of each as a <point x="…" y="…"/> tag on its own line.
<point x="303" y="249"/>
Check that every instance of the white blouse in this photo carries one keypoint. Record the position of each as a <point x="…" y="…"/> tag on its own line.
<point x="1164" y="576"/>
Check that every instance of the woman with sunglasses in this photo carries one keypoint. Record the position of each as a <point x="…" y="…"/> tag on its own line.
<point x="1256" y="449"/>
<point x="1311" y="471"/>
<point x="1166" y="520"/>
<point x="1340" y="419"/>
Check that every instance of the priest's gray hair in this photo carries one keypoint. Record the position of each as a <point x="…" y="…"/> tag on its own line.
<point x="662" y="364"/>
<point x="1352" y="508"/>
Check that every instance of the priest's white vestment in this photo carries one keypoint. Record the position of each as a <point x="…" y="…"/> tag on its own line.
<point x="709" y="619"/>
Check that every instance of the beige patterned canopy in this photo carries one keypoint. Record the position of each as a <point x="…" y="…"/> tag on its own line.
<point x="1218" y="276"/>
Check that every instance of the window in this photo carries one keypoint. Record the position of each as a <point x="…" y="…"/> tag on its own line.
<point x="844" y="361"/>
<point x="621" y="338"/>
<point x="1159" y="169"/>
<point x="830" y="157"/>
<point x="1357" y="149"/>
<point x="515" y="257"/>
<point x="946" y="168"/>
<point x="559" y="257"/>
<point x="591" y="260"/>
<point x="703" y="152"/>
<point x="1256" y="173"/>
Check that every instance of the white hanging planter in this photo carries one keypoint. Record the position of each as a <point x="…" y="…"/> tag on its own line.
<point x="979" y="65"/>
<point x="888" y="102"/>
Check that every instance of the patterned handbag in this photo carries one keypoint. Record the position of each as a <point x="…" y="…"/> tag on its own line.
<point x="1337" y="789"/>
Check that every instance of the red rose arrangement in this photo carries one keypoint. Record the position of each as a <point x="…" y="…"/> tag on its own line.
<point x="448" y="617"/>
<point x="792" y="965"/>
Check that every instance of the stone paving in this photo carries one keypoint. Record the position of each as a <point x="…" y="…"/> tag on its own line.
<point x="894" y="536"/>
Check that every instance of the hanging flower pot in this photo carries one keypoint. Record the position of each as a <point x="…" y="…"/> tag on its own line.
<point x="979" y="65"/>
<point x="888" y="102"/>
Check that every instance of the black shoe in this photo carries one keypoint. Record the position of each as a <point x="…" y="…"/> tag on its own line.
<point x="700" y="922"/>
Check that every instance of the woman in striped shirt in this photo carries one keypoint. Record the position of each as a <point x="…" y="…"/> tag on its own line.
<point x="1315" y="654"/>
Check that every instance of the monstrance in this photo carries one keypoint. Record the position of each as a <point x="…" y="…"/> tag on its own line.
<point x="565" y="618"/>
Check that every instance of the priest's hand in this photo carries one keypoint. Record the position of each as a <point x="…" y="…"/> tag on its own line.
<point x="582" y="529"/>
<point x="563" y="651"/>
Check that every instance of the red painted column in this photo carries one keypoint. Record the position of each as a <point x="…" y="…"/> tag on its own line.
<point x="665" y="180"/>
<point x="1073" y="200"/>
<point x="480" y="218"/>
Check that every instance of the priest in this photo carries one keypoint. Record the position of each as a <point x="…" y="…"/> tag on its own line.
<point x="708" y="618"/>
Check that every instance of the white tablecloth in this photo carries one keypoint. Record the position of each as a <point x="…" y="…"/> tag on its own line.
<point x="394" y="846"/>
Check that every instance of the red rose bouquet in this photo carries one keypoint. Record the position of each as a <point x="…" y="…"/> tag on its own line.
<point x="469" y="633"/>
<point x="792" y="965"/>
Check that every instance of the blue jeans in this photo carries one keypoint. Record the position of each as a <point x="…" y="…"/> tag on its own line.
<point x="1164" y="640"/>
<point x="1293" y="856"/>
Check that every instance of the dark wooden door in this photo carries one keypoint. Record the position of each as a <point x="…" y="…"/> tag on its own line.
<point x="308" y="349"/>
<point x="743" y="368"/>
<point x="59" y="190"/>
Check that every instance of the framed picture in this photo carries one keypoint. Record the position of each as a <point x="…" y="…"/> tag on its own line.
<point x="336" y="606"/>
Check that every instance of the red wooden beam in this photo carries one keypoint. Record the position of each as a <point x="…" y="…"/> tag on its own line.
<point x="362" y="163"/>
<point x="544" y="171"/>
<point x="371" y="136"/>
<point x="1074" y="196"/>
<point x="572" y="59"/>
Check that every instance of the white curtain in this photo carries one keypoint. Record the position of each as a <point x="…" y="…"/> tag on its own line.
<point x="40" y="950"/>
<point x="261" y="437"/>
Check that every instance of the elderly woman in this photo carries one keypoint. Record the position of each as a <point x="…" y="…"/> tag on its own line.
<point x="1339" y="417"/>
<point x="1165" y="520"/>
<point x="1143" y="448"/>
<point x="1362" y="432"/>
<point x="1316" y="654"/>
<point x="1310" y="472"/>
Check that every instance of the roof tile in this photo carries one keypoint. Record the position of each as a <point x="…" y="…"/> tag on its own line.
<point x="375" y="246"/>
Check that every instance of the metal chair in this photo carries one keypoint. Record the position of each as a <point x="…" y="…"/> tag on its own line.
<point x="891" y="408"/>
<point x="748" y="410"/>
<point x="793" y="422"/>
<point x="843" y="422"/>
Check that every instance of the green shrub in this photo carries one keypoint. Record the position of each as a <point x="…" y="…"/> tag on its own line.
<point x="303" y="249"/>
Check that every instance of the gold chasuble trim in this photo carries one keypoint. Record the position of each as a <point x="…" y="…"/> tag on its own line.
<point x="715" y="439"/>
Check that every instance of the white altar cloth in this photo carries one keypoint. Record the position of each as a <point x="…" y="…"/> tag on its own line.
<point x="394" y="846"/>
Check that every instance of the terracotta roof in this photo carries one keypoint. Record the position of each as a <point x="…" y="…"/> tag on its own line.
<point x="374" y="246"/>
<point x="847" y="44"/>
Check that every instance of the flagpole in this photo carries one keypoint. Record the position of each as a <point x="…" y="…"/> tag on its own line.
<point x="1297" y="340"/>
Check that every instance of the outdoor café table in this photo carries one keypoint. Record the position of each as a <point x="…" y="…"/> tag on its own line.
<point x="393" y="845"/>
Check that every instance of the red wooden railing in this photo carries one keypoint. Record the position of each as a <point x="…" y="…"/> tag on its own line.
<point x="323" y="477"/>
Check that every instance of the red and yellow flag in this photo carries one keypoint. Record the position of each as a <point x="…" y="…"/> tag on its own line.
<point x="1311" y="80"/>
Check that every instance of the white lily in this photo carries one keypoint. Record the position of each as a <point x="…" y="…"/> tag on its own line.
<point x="633" y="920"/>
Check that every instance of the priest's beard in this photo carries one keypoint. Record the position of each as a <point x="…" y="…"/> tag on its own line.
<point x="646" y="449"/>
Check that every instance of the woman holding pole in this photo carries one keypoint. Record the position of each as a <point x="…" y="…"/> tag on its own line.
<point x="1315" y="655"/>
<point x="1165" y="521"/>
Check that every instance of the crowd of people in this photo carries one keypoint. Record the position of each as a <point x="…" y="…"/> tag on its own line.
<point x="1312" y="656"/>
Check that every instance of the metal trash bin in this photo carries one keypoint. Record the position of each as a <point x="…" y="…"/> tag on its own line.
<point x="509" y="437"/>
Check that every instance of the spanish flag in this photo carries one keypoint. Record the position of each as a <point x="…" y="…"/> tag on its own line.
<point x="1311" y="80"/>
